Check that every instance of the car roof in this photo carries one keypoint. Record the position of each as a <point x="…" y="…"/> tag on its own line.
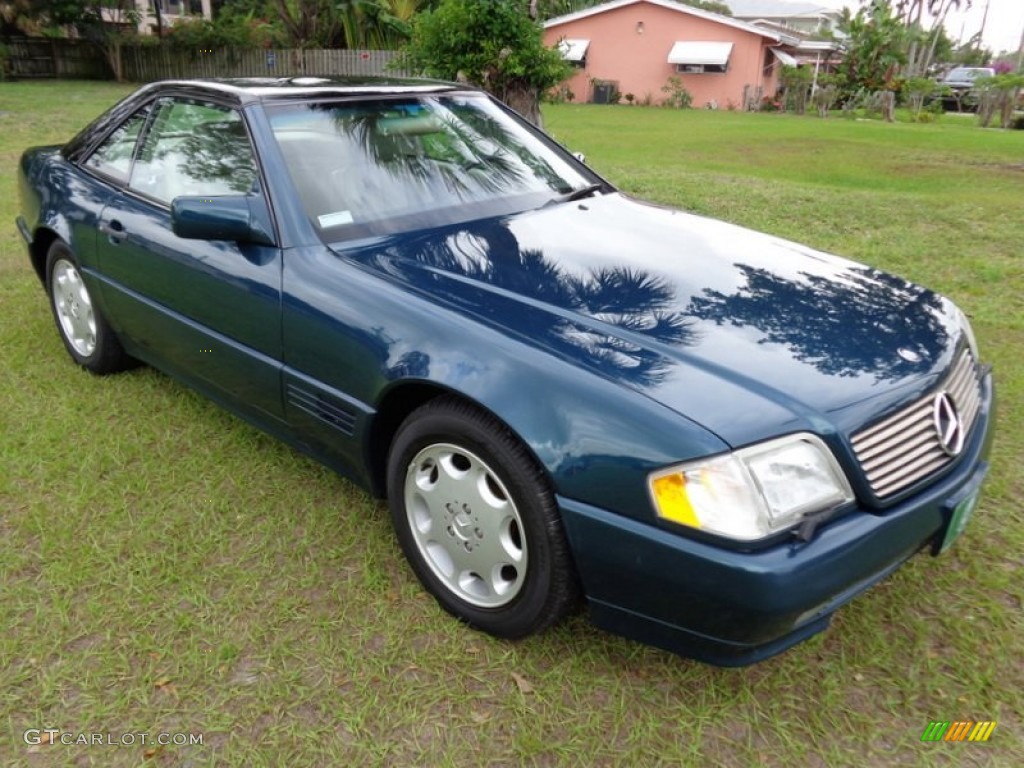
<point x="242" y="91"/>
<point x="246" y="90"/>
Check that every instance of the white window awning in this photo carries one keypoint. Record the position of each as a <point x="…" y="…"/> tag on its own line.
<point x="784" y="57"/>
<point x="573" y="50"/>
<point x="695" y="52"/>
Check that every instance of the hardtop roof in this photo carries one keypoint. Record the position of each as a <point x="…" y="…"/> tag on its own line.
<point x="247" y="90"/>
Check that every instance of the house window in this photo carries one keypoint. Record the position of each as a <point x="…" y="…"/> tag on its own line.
<point x="701" y="69"/>
<point x="167" y="7"/>
<point x="700" y="57"/>
<point x="574" y="51"/>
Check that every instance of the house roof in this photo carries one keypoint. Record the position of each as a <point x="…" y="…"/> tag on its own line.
<point x="748" y="9"/>
<point x="688" y="10"/>
<point x="795" y="36"/>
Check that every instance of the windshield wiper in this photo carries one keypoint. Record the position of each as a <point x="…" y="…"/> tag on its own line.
<point x="577" y="194"/>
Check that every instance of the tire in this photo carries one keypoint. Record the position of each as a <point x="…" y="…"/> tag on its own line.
<point x="86" y="334"/>
<point x="477" y="520"/>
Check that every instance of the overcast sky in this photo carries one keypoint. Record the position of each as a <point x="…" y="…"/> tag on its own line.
<point x="1002" y="29"/>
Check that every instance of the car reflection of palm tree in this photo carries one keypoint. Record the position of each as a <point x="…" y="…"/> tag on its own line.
<point x="843" y="327"/>
<point x="468" y="150"/>
<point x="484" y="127"/>
<point x="606" y="318"/>
<point x="420" y="158"/>
<point x="218" y="155"/>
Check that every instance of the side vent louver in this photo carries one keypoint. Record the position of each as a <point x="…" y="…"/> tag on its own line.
<point x="322" y="408"/>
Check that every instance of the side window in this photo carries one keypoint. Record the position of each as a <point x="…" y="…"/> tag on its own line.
<point x="194" y="149"/>
<point x="113" y="157"/>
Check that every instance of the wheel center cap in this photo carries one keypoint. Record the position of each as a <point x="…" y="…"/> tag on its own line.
<point x="462" y="524"/>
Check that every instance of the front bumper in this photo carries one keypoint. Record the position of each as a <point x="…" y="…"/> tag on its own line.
<point x="26" y="233"/>
<point x="733" y="608"/>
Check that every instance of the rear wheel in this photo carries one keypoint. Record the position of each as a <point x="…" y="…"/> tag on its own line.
<point x="83" y="329"/>
<point x="478" y="522"/>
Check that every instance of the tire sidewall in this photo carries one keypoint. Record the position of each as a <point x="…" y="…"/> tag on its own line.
<point x="526" y="612"/>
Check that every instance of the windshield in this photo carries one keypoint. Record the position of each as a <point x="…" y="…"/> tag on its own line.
<point x="388" y="166"/>
<point x="968" y="74"/>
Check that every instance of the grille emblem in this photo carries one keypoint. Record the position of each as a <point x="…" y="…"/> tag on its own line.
<point x="948" y="425"/>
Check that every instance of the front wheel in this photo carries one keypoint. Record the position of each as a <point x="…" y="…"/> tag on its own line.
<point x="477" y="521"/>
<point x="83" y="329"/>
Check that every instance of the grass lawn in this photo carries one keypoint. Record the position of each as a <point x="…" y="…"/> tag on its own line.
<point x="166" y="568"/>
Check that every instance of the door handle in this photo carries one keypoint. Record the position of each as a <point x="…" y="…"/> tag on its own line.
<point x="114" y="231"/>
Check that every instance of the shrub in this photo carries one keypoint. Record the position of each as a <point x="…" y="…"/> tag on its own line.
<point x="678" y="97"/>
<point x="560" y="95"/>
<point x="797" y="84"/>
<point x="230" y="30"/>
<point x="827" y="93"/>
<point x="997" y="95"/>
<point x="916" y="91"/>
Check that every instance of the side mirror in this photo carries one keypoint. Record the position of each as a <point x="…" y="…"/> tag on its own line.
<point x="580" y="156"/>
<point x="242" y="218"/>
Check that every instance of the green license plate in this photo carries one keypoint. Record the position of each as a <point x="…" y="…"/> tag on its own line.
<point x="958" y="520"/>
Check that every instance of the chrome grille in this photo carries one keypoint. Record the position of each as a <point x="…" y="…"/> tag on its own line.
<point x="900" y="450"/>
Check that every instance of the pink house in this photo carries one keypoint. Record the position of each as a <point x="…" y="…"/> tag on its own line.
<point x="635" y="46"/>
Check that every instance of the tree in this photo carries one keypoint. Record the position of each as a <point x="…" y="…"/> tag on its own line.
<point x="493" y="44"/>
<point x="924" y="40"/>
<point x="969" y="54"/>
<point x="383" y="24"/>
<point x="107" y="24"/>
<point x="309" y="23"/>
<point x="721" y="8"/>
<point x="13" y="15"/>
<point x="875" y="49"/>
<point x="377" y="23"/>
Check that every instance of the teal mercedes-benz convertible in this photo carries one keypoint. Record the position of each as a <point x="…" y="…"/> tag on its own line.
<point x="715" y="436"/>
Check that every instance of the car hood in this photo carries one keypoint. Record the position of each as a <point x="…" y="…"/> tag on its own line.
<point x="747" y="334"/>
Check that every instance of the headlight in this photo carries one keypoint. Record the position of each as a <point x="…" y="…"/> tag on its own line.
<point x="752" y="492"/>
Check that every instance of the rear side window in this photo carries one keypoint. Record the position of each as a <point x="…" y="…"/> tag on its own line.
<point x="113" y="158"/>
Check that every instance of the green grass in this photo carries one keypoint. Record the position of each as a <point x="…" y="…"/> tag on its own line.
<point x="164" y="567"/>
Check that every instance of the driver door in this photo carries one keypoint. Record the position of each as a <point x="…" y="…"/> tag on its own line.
<point x="209" y="311"/>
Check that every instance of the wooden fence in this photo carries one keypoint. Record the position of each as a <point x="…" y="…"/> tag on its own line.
<point x="44" y="57"/>
<point x="30" y="57"/>
<point x="146" y="63"/>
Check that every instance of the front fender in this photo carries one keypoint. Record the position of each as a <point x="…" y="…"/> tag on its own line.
<point x="597" y="439"/>
<point x="355" y="332"/>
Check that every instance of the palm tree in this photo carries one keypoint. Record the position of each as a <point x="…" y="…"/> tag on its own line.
<point x="377" y="24"/>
